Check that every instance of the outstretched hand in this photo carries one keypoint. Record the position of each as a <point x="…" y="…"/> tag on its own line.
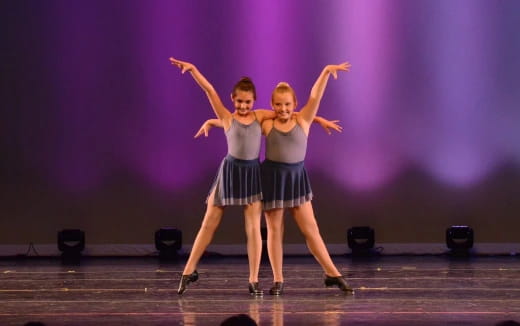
<point x="183" y="65"/>
<point x="207" y="125"/>
<point x="333" y="69"/>
<point x="204" y="130"/>
<point x="331" y="124"/>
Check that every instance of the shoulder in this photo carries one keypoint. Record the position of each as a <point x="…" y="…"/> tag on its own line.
<point x="227" y="121"/>
<point x="300" y="120"/>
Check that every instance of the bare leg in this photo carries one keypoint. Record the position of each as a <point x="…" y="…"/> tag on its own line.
<point x="209" y="225"/>
<point x="304" y="216"/>
<point x="252" y="215"/>
<point x="275" y="227"/>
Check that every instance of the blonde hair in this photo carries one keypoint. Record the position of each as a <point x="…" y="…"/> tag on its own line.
<point x="283" y="87"/>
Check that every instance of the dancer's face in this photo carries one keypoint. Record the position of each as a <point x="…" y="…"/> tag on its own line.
<point x="283" y="104"/>
<point x="243" y="102"/>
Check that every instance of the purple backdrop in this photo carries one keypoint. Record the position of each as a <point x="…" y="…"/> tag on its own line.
<point x="88" y="92"/>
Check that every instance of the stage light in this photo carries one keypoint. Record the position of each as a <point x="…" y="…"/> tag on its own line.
<point x="459" y="238"/>
<point x="361" y="239"/>
<point x="71" y="242"/>
<point x="168" y="241"/>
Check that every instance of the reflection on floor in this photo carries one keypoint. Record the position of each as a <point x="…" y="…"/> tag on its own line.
<point x="395" y="290"/>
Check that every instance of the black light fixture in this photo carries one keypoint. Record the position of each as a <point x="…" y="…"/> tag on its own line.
<point x="459" y="239"/>
<point x="168" y="241"/>
<point x="71" y="242"/>
<point x="361" y="240"/>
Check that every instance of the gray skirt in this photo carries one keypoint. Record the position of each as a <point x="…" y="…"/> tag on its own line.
<point x="284" y="185"/>
<point x="237" y="182"/>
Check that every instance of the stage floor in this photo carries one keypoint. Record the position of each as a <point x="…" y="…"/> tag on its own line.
<point x="395" y="290"/>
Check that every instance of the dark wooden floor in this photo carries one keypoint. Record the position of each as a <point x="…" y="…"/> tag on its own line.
<point x="427" y="290"/>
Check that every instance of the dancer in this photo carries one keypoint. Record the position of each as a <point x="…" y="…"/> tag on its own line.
<point x="238" y="178"/>
<point x="240" y="165"/>
<point x="285" y="182"/>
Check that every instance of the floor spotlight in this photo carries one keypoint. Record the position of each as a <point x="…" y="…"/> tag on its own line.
<point x="361" y="240"/>
<point x="71" y="242"/>
<point x="168" y="241"/>
<point x="459" y="238"/>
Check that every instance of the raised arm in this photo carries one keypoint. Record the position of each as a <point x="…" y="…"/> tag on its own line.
<point x="219" y="108"/>
<point x="309" y="110"/>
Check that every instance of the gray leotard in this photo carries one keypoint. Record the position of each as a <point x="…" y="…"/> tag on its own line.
<point x="286" y="147"/>
<point x="244" y="140"/>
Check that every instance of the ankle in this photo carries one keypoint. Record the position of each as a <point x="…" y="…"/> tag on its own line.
<point x="188" y="271"/>
<point x="334" y="275"/>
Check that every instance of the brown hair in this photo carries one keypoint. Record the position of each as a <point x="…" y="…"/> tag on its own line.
<point x="244" y="84"/>
<point x="283" y="87"/>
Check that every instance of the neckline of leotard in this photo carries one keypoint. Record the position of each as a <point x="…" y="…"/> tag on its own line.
<point x="285" y="132"/>
<point x="247" y="124"/>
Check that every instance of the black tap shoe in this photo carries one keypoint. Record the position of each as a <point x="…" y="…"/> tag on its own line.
<point x="254" y="289"/>
<point x="187" y="279"/>
<point x="340" y="282"/>
<point x="277" y="288"/>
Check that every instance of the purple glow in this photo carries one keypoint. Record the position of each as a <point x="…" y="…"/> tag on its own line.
<point x="264" y="49"/>
<point x="173" y="106"/>
<point x="459" y="153"/>
<point x="79" y="154"/>
<point x="433" y="86"/>
<point x="367" y="161"/>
